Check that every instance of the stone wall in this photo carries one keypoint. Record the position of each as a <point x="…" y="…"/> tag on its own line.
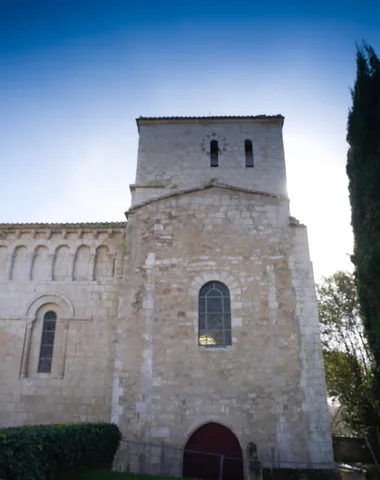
<point x="261" y="387"/>
<point x="73" y="270"/>
<point x="175" y="154"/>
<point x="312" y="383"/>
<point x="126" y="343"/>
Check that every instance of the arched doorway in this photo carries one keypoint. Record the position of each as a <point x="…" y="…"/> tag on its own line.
<point x="213" y="453"/>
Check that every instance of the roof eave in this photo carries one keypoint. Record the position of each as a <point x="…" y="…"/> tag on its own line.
<point x="218" y="119"/>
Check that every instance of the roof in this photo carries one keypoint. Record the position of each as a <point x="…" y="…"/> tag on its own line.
<point x="221" y="119"/>
<point x="64" y="225"/>
<point x="212" y="184"/>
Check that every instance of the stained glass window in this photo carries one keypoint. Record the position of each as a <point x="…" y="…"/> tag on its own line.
<point x="47" y="342"/>
<point x="214" y="315"/>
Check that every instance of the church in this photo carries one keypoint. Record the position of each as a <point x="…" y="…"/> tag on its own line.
<point x="192" y="323"/>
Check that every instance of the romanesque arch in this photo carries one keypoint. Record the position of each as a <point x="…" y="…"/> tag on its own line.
<point x="61" y="263"/>
<point x="213" y="452"/>
<point x="40" y="264"/>
<point x="65" y="306"/>
<point x="63" y="310"/>
<point x="82" y="263"/>
<point x="103" y="263"/>
<point x="20" y="264"/>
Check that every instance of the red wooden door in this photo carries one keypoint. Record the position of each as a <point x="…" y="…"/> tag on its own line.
<point x="213" y="453"/>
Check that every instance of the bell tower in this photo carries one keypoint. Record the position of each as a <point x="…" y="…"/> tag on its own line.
<point x="181" y="153"/>
<point x="218" y="321"/>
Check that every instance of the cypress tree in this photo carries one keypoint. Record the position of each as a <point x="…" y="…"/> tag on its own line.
<point x="363" y="170"/>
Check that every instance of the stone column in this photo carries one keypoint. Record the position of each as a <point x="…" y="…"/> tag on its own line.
<point x="31" y="260"/>
<point x="66" y="324"/>
<point x="72" y="265"/>
<point x="11" y="262"/>
<point x="27" y="344"/>
<point x="92" y="267"/>
<point x="113" y="263"/>
<point x="51" y="260"/>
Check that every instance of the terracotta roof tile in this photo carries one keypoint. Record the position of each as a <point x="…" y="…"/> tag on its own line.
<point x="210" y="118"/>
<point x="65" y="225"/>
<point x="216" y="117"/>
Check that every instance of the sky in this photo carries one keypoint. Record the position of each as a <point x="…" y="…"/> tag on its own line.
<point x="74" y="76"/>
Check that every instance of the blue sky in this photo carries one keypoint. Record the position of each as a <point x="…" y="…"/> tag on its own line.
<point x="74" y="75"/>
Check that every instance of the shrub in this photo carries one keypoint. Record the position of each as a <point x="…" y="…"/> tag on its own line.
<point x="48" y="452"/>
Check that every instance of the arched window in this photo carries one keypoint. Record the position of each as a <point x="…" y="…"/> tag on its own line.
<point x="214" y="153"/>
<point x="47" y="342"/>
<point x="214" y="315"/>
<point x="248" y="153"/>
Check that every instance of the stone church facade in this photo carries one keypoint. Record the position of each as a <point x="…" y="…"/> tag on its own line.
<point x="200" y="308"/>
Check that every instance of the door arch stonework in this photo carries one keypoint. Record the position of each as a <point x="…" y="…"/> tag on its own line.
<point x="213" y="452"/>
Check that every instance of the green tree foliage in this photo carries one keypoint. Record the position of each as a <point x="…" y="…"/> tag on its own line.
<point x="346" y="354"/>
<point x="363" y="170"/>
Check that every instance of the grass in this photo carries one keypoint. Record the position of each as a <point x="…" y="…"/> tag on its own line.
<point x="108" y="475"/>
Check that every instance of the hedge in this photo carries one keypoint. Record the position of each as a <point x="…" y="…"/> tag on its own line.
<point x="49" y="452"/>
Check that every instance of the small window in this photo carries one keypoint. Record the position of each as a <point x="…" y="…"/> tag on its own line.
<point x="248" y="153"/>
<point x="214" y="153"/>
<point x="214" y="315"/>
<point x="47" y="342"/>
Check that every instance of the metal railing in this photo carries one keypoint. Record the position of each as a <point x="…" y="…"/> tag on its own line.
<point x="172" y="461"/>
